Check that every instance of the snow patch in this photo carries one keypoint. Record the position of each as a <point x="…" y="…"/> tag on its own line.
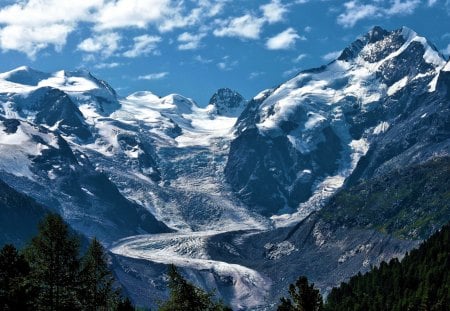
<point x="397" y="86"/>
<point x="381" y="128"/>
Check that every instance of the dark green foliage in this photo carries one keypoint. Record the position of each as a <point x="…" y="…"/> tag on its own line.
<point x="96" y="286"/>
<point x="54" y="262"/>
<point x="125" y="305"/>
<point x="19" y="216"/>
<point x="14" y="270"/>
<point x="52" y="277"/>
<point x="185" y="296"/>
<point x="303" y="297"/>
<point x="410" y="203"/>
<point x="421" y="281"/>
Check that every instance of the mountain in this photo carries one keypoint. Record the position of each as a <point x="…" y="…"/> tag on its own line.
<point x="232" y="191"/>
<point x="308" y="135"/>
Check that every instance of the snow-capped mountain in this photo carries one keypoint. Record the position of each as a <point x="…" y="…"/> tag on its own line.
<point x="299" y="142"/>
<point x="233" y="178"/>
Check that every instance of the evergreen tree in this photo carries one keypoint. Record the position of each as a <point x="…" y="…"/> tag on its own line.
<point x="185" y="296"/>
<point x="54" y="263"/>
<point x="125" y="305"/>
<point x="97" y="292"/>
<point x="304" y="297"/>
<point x="13" y="287"/>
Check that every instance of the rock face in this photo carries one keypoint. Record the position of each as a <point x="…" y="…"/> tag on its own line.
<point x="227" y="102"/>
<point x="378" y="101"/>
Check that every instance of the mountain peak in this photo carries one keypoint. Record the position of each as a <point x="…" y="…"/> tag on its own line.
<point x="25" y="75"/>
<point x="379" y="43"/>
<point x="227" y="102"/>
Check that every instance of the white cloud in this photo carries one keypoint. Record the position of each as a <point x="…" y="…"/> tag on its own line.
<point x="143" y="45"/>
<point x="245" y="27"/>
<point x="180" y="17"/>
<point x="30" y="26"/>
<point x="355" y="11"/>
<point x="32" y="40"/>
<point x="131" y="13"/>
<point x="190" y="41"/>
<point x="431" y="2"/>
<point x="106" y="44"/>
<point x="107" y="65"/>
<point x="154" y="76"/>
<point x="226" y="64"/>
<point x="284" y="40"/>
<point x="274" y="11"/>
<point x="255" y="74"/>
<point x="400" y="7"/>
<point x="203" y="60"/>
<point x="331" y="56"/>
<point x="299" y="58"/>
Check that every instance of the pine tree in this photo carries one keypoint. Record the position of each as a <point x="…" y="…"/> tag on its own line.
<point x="54" y="263"/>
<point x="13" y="287"/>
<point x="97" y="292"/>
<point x="125" y="305"/>
<point x="185" y="296"/>
<point x="304" y="297"/>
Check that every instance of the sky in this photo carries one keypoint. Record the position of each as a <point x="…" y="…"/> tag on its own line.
<point x="194" y="47"/>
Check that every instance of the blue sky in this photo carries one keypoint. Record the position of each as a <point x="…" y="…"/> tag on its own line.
<point x="194" y="47"/>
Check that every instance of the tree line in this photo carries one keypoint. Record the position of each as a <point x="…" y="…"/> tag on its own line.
<point x="51" y="274"/>
<point x="421" y="281"/>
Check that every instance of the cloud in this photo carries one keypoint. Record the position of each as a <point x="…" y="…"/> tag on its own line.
<point x="431" y="2"/>
<point x="203" y="60"/>
<point x="274" y="11"/>
<point x="143" y="45"/>
<point x="31" y="40"/>
<point x="154" y="76"/>
<point x="284" y="40"/>
<point x="355" y="11"/>
<point x="131" y="13"/>
<point x="400" y="7"/>
<point x="190" y="41"/>
<point x="30" y="26"/>
<point x="299" y="58"/>
<point x="226" y="64"/>
<point x="331" y="56"/>
<point x="255" y="74"/>
<point x="244" y="27"/>
<point x="106" y="44"/>
<point x="107" y="65"/>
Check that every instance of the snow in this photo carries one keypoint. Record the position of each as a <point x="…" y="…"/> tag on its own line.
<point x="381" y="128"/>
<point x="199" y="127"/>
<point x="16" y="149"/>
<point x="447" y="67"/>
<point x="67" y="83"/>
<point x="397" y="86"/>
<point x="189" y="251"/>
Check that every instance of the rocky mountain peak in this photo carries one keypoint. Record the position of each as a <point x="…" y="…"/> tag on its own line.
<point x="227" y="101"/>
